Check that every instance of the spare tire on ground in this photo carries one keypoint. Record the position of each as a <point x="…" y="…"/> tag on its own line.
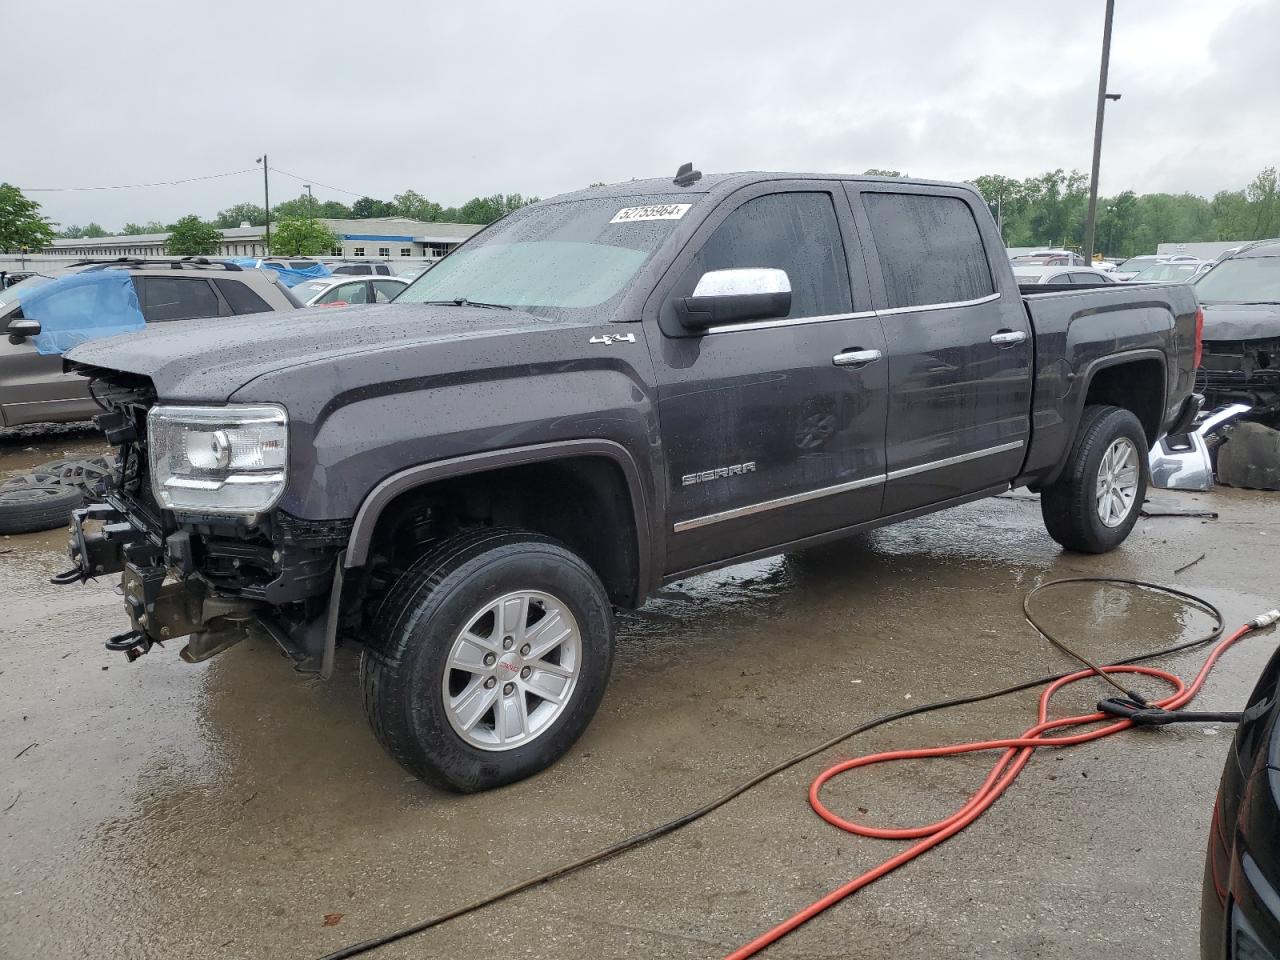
<point x="85" y="473"/>
<point x="1250" y="457"/>
<point x="36" y="501"/>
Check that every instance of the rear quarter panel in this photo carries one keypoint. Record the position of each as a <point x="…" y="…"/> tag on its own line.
<point x="1079" y="333"/>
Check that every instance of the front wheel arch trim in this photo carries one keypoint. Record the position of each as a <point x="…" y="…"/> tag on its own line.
<point x="391" y="487"/>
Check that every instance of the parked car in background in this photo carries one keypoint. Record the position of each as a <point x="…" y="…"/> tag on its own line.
<point x="1050" y="258"/>
<point x="1241" y="300"/>
<point x="468" y="480"/>
<point x="291" y="271"/>
<point x="343" y="290"/>
<point x="414" y="272"/>
<point x="1240" y="895"/>
<point x="1171" y="271"/>
<point x="361" y="268"/>
<point x="1085" y="276"/>
<point x="47" y="315"/>
<point x="1128" y="269"/>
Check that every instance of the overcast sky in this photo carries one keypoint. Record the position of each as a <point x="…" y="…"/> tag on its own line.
<point x="459" y="99"/>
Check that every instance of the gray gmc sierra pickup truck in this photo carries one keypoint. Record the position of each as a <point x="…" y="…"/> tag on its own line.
<point x="598" y="394"/>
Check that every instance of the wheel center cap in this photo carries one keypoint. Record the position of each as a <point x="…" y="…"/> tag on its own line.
<point x="508" y="666"/>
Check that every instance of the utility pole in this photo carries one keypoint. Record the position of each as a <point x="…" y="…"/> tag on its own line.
<point x="266" y="199"/>
<point x="1091" y="219"/>
<point x="311" y="201"/>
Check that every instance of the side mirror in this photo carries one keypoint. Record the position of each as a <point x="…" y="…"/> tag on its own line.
<point x="20" y="328"/>
<point x="735" y="296"/>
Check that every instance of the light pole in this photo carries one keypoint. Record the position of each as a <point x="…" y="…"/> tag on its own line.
<point x="1103" y="97"/>
<point x="311" y="201"/>
<point x="266" y="199"/>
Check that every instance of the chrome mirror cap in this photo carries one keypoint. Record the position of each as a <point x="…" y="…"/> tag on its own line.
<point x="742" y="281"/>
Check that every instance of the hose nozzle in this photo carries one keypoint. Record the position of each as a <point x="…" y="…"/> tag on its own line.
<point x="1265" y="619"/>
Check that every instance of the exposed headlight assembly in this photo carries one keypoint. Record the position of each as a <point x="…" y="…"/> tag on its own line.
<point x="228" y="460"/>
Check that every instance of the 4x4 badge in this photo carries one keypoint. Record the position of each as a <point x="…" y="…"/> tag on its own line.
<point x="614" y="338"/>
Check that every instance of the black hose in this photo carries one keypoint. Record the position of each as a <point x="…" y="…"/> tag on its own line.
<point x="638" y="839"/>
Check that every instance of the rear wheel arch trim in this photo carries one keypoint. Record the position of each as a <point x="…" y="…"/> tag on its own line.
<point x="391" y="487"/>
<point x="1092" y="369"/>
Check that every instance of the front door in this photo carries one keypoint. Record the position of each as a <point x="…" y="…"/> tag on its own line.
<point x="773" y="430"/>
<point x="959" y="349"/>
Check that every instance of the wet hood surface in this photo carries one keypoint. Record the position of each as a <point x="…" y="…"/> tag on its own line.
<point x="1241" y="321"/>
<point x="210" y="359"/>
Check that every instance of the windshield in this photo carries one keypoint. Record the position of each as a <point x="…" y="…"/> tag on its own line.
<point x="1168" y="271"/>
<point x="1244" y="280"/>
<point x="555" y="259"/>
<point x="1135" y="263"/>
<point x="14" y="293"/>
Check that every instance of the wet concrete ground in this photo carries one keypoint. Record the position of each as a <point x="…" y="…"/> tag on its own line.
<point x="163" y="810"/>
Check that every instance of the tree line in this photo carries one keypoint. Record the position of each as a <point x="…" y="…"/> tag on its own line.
<point x="410" y="204"/>
<point x="1045" y="210"/>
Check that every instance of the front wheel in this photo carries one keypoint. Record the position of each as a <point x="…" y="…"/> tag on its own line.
<point x="1093" y="506"/>
<point x="488" y="658"/>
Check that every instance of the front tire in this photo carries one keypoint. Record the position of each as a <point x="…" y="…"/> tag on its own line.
<point x="1094" y="505"/>
<point x="488" y="657"/>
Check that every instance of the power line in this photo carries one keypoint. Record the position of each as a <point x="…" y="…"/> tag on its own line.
<point x="327" y="186"/>
<point x="132" y="186"/>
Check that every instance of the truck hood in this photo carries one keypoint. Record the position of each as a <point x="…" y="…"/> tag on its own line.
<point x="210" y="359"/>
<point x="1241" y="321"/>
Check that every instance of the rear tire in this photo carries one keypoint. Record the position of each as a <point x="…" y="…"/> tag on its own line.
<point x="456" y="640"/>
<point x="1094" y="505"/>
<point x="32" y="502"/>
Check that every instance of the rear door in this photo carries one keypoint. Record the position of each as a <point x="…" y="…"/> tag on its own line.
<point x="959" y="348"/>
<point x="768" y="437"/>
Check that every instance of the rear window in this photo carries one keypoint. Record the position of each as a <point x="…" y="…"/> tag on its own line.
<point x="178" y="298"/>
<point x="930" y="249"/>
<point x="240" y="298"/>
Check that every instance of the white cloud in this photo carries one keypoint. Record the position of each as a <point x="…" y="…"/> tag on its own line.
<point x="466" y="99"/>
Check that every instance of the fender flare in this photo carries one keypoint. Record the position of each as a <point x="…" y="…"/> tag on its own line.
<point x="1085" y="379"/>
<point x="366" y="518"/>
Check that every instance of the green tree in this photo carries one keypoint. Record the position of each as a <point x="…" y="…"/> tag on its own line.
<point x="92" y="230"/>
<point x="414" y="205"/>
<point x="193" y="237"/>
<point x="251" y="213"/>
<point x="302" y="238"/>
<point x="301" y="207"/>
<point x="487" y="209"/>
<point x="367" y="207"/>
<point x="22" y="228"/>
<point x="333" y="209"/>
<point x="135" y="229"/>
<point x="1263" y="198"/>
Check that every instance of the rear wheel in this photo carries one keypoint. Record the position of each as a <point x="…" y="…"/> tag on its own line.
<point x="1094" y="505"/>
<point x="488" y="657"/>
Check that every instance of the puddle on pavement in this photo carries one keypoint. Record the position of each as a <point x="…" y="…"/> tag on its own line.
<point x="22" y="448"/>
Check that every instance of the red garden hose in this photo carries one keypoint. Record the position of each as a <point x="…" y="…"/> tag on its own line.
<point x="1016" y="753"/>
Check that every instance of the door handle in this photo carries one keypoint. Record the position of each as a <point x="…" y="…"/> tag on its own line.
<point x="1007" y="338"/>
<point x="856" y="358"/>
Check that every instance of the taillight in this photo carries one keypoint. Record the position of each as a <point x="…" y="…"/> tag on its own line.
<point x="1199" y="336"/>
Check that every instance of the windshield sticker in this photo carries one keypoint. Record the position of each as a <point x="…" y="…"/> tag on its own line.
<point x="660" y="211"/>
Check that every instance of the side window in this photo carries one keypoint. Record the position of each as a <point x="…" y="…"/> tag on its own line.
<point x="240" y="298"/>
<point x="1060" y="278"/>
<point x="354" y="292"/>
<point x="384" y="290"/>
<point x="177" y="298"/>
<point x="929" y="247"/>
<point x="795" y="232"/>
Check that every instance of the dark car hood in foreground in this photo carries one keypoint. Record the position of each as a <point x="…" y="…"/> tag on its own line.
<point x="211" y="359"/>
<point x="1241" y="321"/>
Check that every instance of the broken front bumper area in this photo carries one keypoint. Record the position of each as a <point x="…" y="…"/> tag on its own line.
<point x="167" y="597"/>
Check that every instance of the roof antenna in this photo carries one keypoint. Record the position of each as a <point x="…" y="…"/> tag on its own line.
<point x="686" y="175"/>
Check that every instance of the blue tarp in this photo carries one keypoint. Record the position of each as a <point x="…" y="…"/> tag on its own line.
<point x="288" y="276"/>
<point x="82" y="306"/>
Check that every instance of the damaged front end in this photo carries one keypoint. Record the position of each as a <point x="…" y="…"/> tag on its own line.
<point x="214" y="579"/>
<point x="1242" y="372"/>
